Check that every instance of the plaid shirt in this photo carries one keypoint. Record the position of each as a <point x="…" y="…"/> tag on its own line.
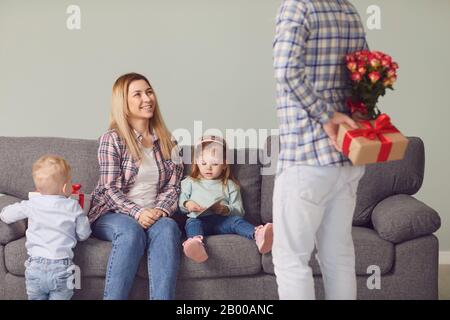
<point x="312" y="39"/>
<point x="118" y="172"/>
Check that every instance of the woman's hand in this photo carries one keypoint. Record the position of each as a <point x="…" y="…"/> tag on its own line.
<point x="192" y="206"/>
<point x="220" y="209"/>
<point x="149" y="216"/>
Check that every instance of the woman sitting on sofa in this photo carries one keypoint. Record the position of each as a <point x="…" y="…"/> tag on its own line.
<point x="137" y="192"/>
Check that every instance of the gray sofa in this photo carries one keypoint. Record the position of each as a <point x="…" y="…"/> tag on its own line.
<point x="392" y="231"/>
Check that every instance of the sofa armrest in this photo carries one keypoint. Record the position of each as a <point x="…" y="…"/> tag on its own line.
<point x="11" y="232"/>
<point x="401" y="218"/>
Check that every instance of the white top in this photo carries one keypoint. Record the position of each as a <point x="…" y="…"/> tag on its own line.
<point x="55" y="223"/>
<point x="145" y="189"/>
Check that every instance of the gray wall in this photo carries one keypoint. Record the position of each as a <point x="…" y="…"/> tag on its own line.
<point x="208" y="60"/>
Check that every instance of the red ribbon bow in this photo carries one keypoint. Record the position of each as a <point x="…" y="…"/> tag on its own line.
<point x="356" y="106"/>
<point x="382" y="126"/>
<point x="76" y="190"/>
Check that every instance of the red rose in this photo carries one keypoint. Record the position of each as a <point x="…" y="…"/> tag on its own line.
<point x="379" y="55"/>
<point x="385" y="63"/>
<point x="352" y="66"/>
<point x="374" y="62"/>
<point x="362" y="55"/>
<point x="374" y="76"/>
<point x="356" y="76"/>
<point x="387" y="57"/>
<point x="391" y="73"/>
<point x="362" y="70"/>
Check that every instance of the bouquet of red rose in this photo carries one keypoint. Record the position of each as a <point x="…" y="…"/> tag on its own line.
<point x="371" y="74"/>
<point x="376" y="139"/>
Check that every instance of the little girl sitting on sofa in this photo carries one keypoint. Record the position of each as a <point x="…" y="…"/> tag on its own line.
<point x="212" y="200"/>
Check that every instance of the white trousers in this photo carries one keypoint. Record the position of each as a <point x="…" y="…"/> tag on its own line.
<point x="314" y="206"/>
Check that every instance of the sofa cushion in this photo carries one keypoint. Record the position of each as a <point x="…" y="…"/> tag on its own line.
<point x="267" y="183"/>
<point x="12" y="231"/>
<point x="379" y="182"/>
<point x="90" y="255"/>
<point x="6" y="200"/>
<point x="268" y="159"/>
<point x="229" y="255"/>
<point x="386" y="179"/>
<point x="249" y="177"/>
<point x="20" y="153"/>
<point x="401" y="218"/>
<point x="370" y="250"/>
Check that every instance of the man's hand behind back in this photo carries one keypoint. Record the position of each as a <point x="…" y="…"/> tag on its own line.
<point x="332" y="126"/>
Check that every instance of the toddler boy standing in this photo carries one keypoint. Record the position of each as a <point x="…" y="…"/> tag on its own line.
<point x="55" y="223"/>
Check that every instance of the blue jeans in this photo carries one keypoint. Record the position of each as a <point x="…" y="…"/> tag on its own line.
<point x="162" y="242"/>
<point x="216" y="224"/>
<point x="47" y="279"/>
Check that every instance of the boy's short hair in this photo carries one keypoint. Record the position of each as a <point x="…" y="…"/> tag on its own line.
<point x="50" y="173"/>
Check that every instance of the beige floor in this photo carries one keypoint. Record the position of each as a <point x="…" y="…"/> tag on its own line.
<point x="444" y="282"/>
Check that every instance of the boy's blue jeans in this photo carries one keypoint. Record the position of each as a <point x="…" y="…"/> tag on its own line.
<point x="216" y="224"/>
<point x="161" y="242"/>
<point x="47" y="279"/>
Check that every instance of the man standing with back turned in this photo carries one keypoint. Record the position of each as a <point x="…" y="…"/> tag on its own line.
<point x="315" y="189"/>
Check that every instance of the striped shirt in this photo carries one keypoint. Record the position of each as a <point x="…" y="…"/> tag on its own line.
<point x="118" y="172"/>
<point x="311" y="42"/>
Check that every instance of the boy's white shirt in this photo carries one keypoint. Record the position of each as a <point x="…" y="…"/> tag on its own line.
<point x="55" y="223"/>
<point x="86" y="204"/>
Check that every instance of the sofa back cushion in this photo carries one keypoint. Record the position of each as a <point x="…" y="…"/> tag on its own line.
<point x="379" y="182"/>
<point x="249" y="177"/>
<point x="387" y="179"/>
<point x="17" y="156"/>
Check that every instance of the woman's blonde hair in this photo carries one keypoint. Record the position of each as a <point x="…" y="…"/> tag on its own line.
<point x="119" y="118"/>
<point x="226" y="175"/>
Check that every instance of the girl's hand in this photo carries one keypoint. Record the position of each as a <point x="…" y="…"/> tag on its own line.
<point x="220" y="209"/>
<point x="193" y="206"/>
<point x="149" y="216"/>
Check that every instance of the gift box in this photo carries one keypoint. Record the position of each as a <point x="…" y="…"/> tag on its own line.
<point x="375" y="141"/>
<point x="83" y="199"/>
